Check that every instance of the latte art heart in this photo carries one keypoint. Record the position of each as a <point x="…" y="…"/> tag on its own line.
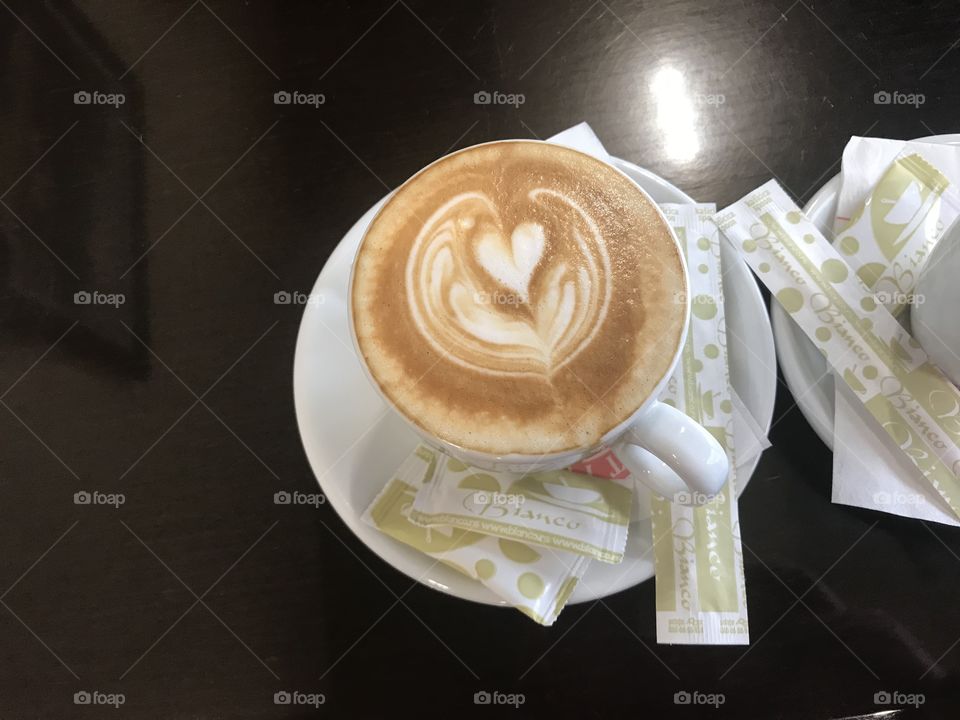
<point x="507" y="300"/>
<point x="514" y="266"/>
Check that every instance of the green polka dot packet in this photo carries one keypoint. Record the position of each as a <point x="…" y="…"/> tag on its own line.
<point x="845" y="297"/>
<point x="713" y="609"/>
<point x="896" y="222"/>
<point x="557" y="510"/>
<point x="536" y="581"/>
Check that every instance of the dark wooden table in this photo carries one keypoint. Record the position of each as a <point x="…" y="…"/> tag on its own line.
<point x="198" y="198"/>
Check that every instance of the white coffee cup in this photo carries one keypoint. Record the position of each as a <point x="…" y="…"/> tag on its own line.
<point x="935" y="313"/>
<point x="665" y="449"/>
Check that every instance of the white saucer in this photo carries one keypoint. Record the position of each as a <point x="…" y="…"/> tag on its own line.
<point x="354" y="441"/>
<point x="803" y="366"/>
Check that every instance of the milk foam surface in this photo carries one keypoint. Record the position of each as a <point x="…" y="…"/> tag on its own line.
<point x="518" y="297"/>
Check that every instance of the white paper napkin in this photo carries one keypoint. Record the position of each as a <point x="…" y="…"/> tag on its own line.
<point x="867" y="471"/>
<point x="582" y="137"/>
<point x="875" y="475"/>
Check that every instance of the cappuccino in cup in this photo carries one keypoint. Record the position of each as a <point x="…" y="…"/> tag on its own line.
<point x="519" y="298"/>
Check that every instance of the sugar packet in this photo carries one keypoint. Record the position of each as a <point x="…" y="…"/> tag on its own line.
<point x="888" y="239"/>
<point x="866" y="159"/>
<point x="701" y="591"/>
<point x="537" y="582"/>
<point x="557" y="509"/>
<point x="887" y="370"/>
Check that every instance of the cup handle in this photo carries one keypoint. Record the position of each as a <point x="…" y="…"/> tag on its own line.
<point x="674" y="456"/>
